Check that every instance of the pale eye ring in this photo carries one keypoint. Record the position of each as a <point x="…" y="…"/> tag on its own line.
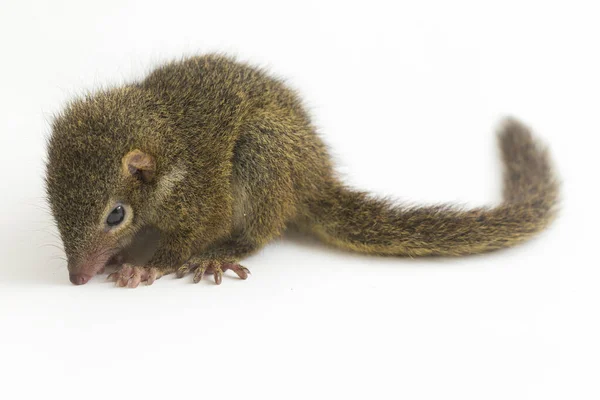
<point x="116" y="216"/>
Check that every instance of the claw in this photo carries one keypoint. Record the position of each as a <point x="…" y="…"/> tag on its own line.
<point x="135" y="279"/>
<point x="218" y="273"/>
<point x="241" y="271"/>
<point x="124" y="275"/>
<point x="183" y="270"/>
<point x="152" y="276"/>
<point x="199" y="274"/>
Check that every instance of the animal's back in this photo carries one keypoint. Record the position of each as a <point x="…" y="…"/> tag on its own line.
<point x="252" y="116"/>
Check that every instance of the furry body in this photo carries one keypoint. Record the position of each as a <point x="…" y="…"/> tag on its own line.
<point x="219" y="159"/>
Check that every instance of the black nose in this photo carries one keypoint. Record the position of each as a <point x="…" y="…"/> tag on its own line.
<point x="79" y="279"/>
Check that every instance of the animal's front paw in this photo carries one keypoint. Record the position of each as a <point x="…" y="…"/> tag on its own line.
<point x="131" y="276"/>
<point x="200" y="266"/>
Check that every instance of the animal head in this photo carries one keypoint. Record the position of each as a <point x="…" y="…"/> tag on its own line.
<point x="101" y="181"/>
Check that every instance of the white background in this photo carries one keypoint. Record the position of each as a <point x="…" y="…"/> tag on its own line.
<point x="407" y="94"/>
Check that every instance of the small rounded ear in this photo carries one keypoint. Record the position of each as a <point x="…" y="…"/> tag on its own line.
<point x="139" y="165"/>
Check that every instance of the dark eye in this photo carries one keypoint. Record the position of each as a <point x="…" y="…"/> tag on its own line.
<point x="116" y="216"/>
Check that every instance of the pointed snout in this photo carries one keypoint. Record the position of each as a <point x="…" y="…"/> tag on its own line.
<point x="85" y="267"/>
<point x="79" y="279"/>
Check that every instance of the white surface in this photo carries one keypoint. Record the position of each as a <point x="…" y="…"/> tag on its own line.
<point x="407" y="94"/>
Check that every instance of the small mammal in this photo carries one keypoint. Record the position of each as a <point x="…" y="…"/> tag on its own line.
<point x="213" y="159"/>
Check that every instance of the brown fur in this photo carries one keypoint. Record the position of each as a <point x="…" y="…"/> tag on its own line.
<point x="220" y="158"/>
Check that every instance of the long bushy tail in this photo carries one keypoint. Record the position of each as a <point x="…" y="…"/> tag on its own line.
<point x="355" y="221"/>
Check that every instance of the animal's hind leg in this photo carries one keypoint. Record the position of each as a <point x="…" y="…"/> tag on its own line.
<point x="263" y="201"/>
